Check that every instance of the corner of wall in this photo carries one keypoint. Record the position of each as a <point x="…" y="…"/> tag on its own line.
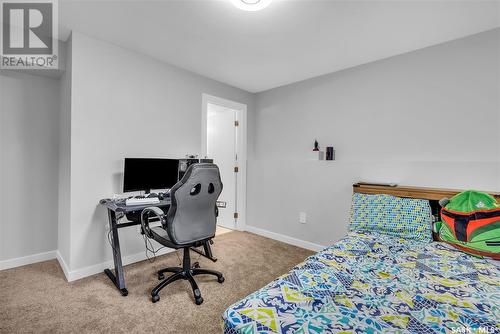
<point x="64" y="194"/>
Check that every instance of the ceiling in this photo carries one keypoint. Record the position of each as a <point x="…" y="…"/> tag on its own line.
<point x="289" y="41"/>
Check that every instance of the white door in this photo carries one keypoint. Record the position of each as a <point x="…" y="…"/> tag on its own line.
<point x="221" y="146"/>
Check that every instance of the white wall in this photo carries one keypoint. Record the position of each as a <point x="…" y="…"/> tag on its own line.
<point x="427" y="118"/>
<point x="125" y="104"/>
<point x="29" y="114"/>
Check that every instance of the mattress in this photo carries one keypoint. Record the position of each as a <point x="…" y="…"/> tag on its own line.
<point x="372" y="283"/>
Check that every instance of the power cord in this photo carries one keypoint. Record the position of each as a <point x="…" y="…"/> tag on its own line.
<point x="110" y="243"/>
<point x="118" y="217"/>
<point x="151" y="250"/>
<point x="148" y="245"/>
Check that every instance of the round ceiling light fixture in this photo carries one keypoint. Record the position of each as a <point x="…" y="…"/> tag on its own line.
<point x="251" y="5"/>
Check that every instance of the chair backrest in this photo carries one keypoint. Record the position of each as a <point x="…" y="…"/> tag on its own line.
<point x="192" y="215"/>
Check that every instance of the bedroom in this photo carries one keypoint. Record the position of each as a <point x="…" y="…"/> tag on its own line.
<point x="405" y="92"/>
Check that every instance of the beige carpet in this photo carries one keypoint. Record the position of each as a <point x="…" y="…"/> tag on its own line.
<point x="37" y="298"/>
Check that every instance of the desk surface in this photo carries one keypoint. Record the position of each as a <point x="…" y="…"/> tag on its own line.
<point x="120" y="206"/>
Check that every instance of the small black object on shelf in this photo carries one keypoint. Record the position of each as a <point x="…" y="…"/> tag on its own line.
<point x="316" y="146"/>
<point x="330" y="153"/>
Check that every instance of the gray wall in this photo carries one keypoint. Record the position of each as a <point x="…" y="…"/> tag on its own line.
<point x="125" y="104"/>
<point x="29" y="114"/>
<point x="427" y="118"/>
<point x="400" y="120"/>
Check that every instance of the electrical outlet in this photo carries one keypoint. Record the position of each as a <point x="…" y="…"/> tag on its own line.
<point x="302" y="217"/>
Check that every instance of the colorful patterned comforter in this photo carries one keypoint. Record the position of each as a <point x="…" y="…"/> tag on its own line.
<point x="369" y="283"/>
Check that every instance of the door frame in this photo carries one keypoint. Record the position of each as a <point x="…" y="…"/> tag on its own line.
<point x="241" y="148"/>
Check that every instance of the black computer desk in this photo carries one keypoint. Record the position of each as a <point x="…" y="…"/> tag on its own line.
<point x="134" y="211"/>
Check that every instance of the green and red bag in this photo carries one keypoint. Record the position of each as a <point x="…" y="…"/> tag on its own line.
<point x="471" y="223"/>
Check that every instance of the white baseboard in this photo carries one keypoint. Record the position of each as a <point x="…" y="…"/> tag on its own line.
<point x="63" y="264"/>
<point x="73" y="275"/>
<point x="22" y="261"/>
<point x="285" y="239"/>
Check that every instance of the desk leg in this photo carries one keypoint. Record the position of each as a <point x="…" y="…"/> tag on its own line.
<point x="118" y="278"/>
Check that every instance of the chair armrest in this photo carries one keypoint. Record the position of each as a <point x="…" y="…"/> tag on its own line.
<point x="146" y="214"/>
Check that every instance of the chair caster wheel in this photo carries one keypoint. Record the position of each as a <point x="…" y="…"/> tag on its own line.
<point x="221" y="279"/>
<point x="198" y="301"/>
<point x="161" y="277"/>
<point x="196" y="265"/>
<point x="155" y="298"/>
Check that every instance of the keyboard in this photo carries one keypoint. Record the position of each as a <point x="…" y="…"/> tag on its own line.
<point x="141" y="201"/>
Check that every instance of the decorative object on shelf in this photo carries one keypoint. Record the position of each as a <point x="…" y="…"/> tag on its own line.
<point x="316" y="154"/>
<point x="330" y="153"/>
<point x="316" y="146"/>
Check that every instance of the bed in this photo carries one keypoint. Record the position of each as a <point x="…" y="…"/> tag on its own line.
<point x="371" y="282"/>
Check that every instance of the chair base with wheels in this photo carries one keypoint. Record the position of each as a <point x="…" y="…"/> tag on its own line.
<point x="187" y="272"/>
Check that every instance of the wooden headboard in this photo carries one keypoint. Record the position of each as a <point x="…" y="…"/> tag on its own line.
<point x="433" y="195"/>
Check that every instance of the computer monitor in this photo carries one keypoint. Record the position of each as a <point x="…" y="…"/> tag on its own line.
<point x="146" y="174"/>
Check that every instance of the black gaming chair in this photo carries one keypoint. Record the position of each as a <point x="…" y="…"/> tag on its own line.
<point x="190" y="221"/>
